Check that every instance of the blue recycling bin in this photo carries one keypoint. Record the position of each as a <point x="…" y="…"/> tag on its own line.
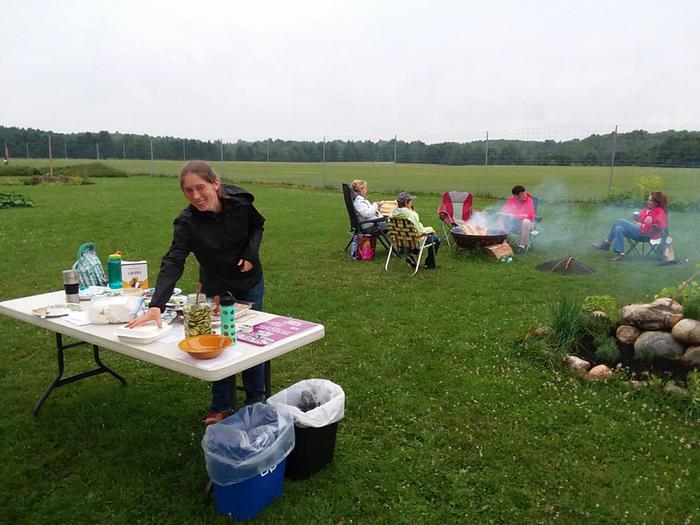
<point x="245" y="458"/>
<point x="246" y="499"/>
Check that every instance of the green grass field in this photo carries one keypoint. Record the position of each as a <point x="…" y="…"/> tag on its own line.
<point x="453" y="414"/>
<point x="551" y="182"/>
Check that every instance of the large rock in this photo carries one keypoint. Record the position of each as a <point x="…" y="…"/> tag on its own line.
<point x="651" y="316"/>
<point x="657" y="344"/>
<point x="692" y="356"/>
<point x="598" y="372"/>
<point x="674" y="390"/>
<point x="672" y="319"/>
<point x="627" y="334"/>
<point x="577" y="365"/>
<point x="687" y="331"/>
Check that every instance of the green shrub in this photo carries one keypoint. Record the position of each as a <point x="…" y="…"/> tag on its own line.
<point x="607" y="350"/>
<point x="14" y="200"/>
<point x="687" y="293"/>
<point x="69" y="180"/>
<point x="599" y="326"/>
<point x="11" y="181"/>
<point x="602" y="303"/>
<point x="643" y="186"/>
<point x="693" y="410"/>
<point x="92" y="169"/>
<point x="16" y="171"/>
<point x="567" y="324"/>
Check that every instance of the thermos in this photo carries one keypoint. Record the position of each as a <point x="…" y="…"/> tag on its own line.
<point x="227" y="311"/>
<point x="71" y="284"/>
<point x="114" y="270"/>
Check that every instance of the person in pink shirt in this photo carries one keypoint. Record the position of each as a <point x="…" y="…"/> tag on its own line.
<point x="651" y="223"/>
<point x="518" y="215"/>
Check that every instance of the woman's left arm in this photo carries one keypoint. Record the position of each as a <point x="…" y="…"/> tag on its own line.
<point x="255" y="231"/>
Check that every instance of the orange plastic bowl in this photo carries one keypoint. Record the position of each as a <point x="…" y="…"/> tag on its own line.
<point x="205" y="346"/>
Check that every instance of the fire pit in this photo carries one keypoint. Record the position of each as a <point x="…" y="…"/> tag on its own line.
<point x="566" y="266"/>
<point x="468" y="242"/>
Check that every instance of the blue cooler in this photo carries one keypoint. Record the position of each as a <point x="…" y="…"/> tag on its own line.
<point x="245" y="456"/>
<point x="246" y="499"/>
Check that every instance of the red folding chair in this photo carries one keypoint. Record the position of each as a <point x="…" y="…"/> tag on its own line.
<point x="455" y="209"/>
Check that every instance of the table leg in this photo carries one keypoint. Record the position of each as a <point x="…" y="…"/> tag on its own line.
<point x="268" y="379"/>
<point x="59" y="380"/>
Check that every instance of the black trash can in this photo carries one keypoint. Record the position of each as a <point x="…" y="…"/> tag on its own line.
<point x="316" y="405"/>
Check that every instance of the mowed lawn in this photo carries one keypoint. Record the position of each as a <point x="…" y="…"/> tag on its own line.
<point x="569" y="183"/>
<point x="453" y="413"/>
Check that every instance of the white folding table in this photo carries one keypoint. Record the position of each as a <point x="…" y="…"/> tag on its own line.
<point x="163" y="352"/>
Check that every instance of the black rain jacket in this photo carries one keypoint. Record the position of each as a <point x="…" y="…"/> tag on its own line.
<point x="218" y="241"/>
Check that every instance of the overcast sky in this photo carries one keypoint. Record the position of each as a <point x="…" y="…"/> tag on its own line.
<point x="349" y="69"/>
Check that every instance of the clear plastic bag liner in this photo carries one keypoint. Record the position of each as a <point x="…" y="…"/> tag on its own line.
<point x="330" y="396"/>
<point x="248" y="443"/>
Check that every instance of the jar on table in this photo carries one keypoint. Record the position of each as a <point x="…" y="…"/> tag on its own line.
<point x="197" y="316"/>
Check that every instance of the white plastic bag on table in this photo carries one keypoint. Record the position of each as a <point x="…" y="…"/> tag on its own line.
<point x="330" y="396"/>
<point x="119" y="309"/>
<point x="248" y="443"/>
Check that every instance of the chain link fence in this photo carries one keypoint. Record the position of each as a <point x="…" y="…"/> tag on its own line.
<point x="564" y="163"/>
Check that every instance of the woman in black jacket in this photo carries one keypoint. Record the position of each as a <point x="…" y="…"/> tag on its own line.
<point x="223" y="230"/>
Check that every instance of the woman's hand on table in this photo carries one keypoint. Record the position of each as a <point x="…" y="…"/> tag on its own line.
<point x="153" y="314"/>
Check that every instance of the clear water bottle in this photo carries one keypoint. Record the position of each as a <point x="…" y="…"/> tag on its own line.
<point x="114" y="270"/>
<point x="227" y="311"/>
<point x="354" y="247"/>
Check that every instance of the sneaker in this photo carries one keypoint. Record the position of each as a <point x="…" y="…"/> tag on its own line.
<point x="521" y="249"/>
<point x="212" y="418"/>
<point x="618" y="257"/>
<point x="603" y="246"/>
<point x="411" y="261"/>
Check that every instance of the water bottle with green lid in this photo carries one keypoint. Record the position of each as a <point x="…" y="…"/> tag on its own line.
<point x="114" y="270"/>
<point x="227" y="311"/>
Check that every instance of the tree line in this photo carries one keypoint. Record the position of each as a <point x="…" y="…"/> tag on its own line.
<point x="635" y="148"/>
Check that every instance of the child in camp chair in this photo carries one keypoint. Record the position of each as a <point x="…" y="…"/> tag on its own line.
<point x="405" y="211"/>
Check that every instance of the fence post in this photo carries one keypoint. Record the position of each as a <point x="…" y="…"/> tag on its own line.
<point x="65" y="150"/>
<point x="395" y="157"/>
<point x="27" y="144"/>
<point x="50" y="159"/>
<point x="486" y="164"/>
<point x="612" y="160"/>
<point x="323" y="164"/>
<point x="152" y="165"/>
<point x="97" y="150"/>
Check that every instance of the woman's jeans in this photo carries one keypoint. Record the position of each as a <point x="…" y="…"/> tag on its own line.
<point x="253" y="378"/>
<point x="622" y="229"/>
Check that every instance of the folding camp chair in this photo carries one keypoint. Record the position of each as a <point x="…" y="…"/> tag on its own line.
<point x="404" y="236"/>
<point x="455" y="209"/>
<point x="357" y="224"/>
<point x="644" y="246"/>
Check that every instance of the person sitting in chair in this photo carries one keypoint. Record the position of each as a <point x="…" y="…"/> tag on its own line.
<point x="518" y="216"/>
<point x="651" y="223"/>
<point x="405" y="211"/>
<point x="366" y="211"/>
